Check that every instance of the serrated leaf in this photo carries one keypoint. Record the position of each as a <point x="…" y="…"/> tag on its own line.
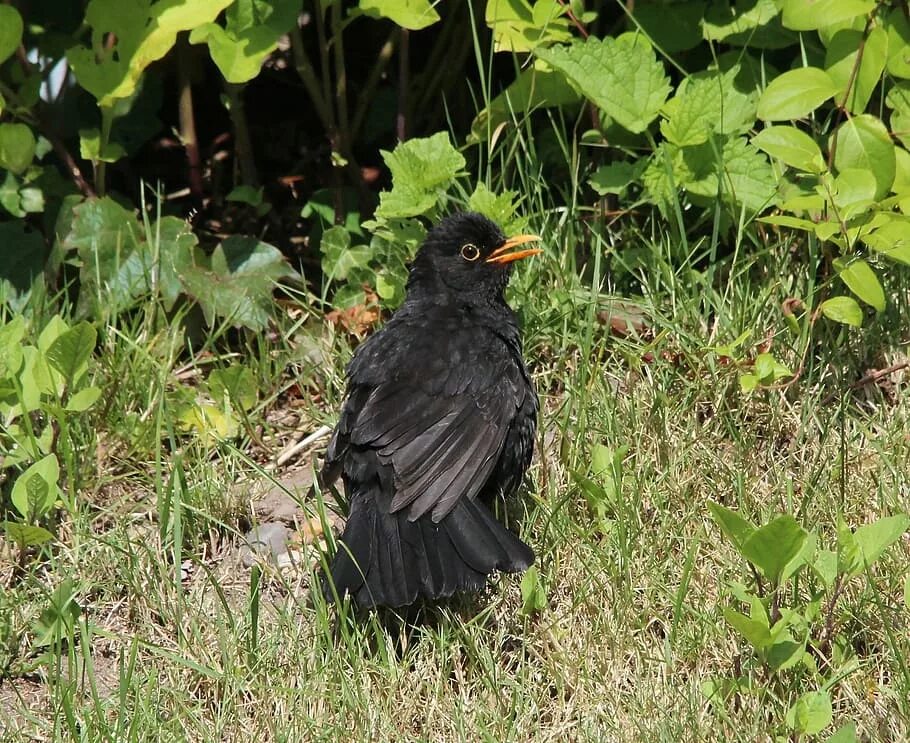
<point x="339" y="258"/>
<point x="773" y="545"/>
<point x="863" y="142"/>
<point x="795" y="94"/>
<point x="520" y="26"/>
<point x="792" y="147"/>
<point x="706" y="103"/>
<point x="622" y="76"/>
<point x="862" y="281"/>
<point x="70" y="352"/>
<point x="238" y="286"/>
<point x="411" y="14"/>
<point x="843" y="310"/>
<point x="498" y="207"/>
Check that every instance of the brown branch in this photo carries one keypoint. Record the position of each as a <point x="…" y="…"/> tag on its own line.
<point x="869" y="378"/>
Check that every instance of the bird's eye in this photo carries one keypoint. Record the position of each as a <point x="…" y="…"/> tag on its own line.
<point x="470" y="252"/>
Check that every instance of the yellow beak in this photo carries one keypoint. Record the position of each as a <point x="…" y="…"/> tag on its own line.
<point x="502" y="255"/>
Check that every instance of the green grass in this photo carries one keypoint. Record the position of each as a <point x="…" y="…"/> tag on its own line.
<point x="176" y="640"/>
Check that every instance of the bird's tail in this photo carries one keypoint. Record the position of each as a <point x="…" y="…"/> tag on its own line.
<point x="386" y="560"/>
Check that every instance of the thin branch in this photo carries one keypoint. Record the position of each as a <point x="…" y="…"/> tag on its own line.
<point x="187" y="120"/>
<point x="869" y="378"/>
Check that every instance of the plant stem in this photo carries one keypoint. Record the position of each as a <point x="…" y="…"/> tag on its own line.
<point x="304" y="69"/>
<point x="187" y="120"/>
<point x="401" y="120"/>
<point x="243" y="144"/>
<point x="366" y="95"/>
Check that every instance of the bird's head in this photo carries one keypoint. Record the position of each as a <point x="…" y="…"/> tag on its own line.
<point x="468" y="253"/>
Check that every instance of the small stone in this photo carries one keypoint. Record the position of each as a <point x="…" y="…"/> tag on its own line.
<point x="265" y="542"/>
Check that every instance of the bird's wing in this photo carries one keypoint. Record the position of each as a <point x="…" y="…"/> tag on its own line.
<point x="440" y="424"/>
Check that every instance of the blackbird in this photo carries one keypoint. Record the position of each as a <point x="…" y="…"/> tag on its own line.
<point x="439" y="419"/>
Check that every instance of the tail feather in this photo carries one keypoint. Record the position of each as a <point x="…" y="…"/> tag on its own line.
<point x="387" y="560"/>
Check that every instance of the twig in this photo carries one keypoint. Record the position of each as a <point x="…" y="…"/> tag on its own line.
<point x="292" y="451"/>
<point x="869" y="378"/>
<point x="187" y="121"/>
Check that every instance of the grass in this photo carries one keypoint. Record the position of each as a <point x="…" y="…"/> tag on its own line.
<point x="176" y="640"/>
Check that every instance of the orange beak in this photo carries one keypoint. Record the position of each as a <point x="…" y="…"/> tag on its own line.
<point x="502" y="255"/>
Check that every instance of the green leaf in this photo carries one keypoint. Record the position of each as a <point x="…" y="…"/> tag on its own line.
<point x="844" y="734"/>
<point x="843" y="310"/>
<point x="141" y="32"/>
<point x="498" y="207"/>
<point x="809" y="15"/>
<point x="773" y="545"/>
<point x="10" y="31"/>
<point x="338" y="257"/>
<point x="863" y="142"/>
<point x="849" y="559"/>
<point x="898" y="100"/>
<point x="754" y="630"/>
<point x="706" y="103"/>
<point x="538" y="86"/>
<point x="92" y="148"/>
<point x="811" y="714"/>
<point x="237" y="384"/>
<point x="825" y="566"/>
<point x="873" y="539"/>
<point x="17" y="147"/>
<point x="411" y="14"/>
<point x="792" y="147"/>
<point x="58" y="621"/>
<point x="615" y="177"/>
<point x="854" y="193"/>
<point x="251" y="32"/>
<point x="70" y="352"/>
<point x="519" y="26"/>
<point x="83" y="399"/>
<point x="177" y="251"/>
<point x="891" y="240"/>
<point x="735" y="527"/>
<point x="862" y="281"/>
<point x="795" y="94"/>
<point x="748" y="180"/>
<point x="856" y="85"/>
<point x="35" y="490"/>
<point x="622" y="76"/>
<point x="898" y="27"/>
<point x="672" y="32"/>
<point x="238" y="286"/>
<point x="752" y="23"/>
<point x="11" y="335"/>
<point x="26" y="534"/>
<point x="533" y="596"/>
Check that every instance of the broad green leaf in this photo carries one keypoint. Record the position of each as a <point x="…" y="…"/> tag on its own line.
<point x="411" y="14"/>
<point x="22" y="266"/>
<point x="841" y="62"/>
<point x="862" y="281"/>
<point x="83" y="399"/>
<point x="69" y="354"/>
<point x="26" y="534"/>
<point x="10" y="31"/>
<point x="11" y="335"/>
<point x="616" y="177"/>
<point x="811" y="714"/>
<point x="622" y="76"/>
<point x="773" y="545"/>
<point x="237" y="383"/>
<point x="239" y="283"/>
<point x="17" y="147"/>
<point x="176" y="248"/>
<point x="898" y="100"/>
<point x="752" y="23"/>
<point x="825" y="566"/>
<point x="843" y="310"/>
<point x="339" y="258"/>
<point x="735" y="527"/>
<point x="891" y="240"/>
<point x="672" y="32"/>
<point x="844" y="734"/>
<point x="873" y="539"/>
<point x="498" y="207"/>
<point x="792" y="147"/>
<point x="58" y="620"/>
<point x="533" y="596"/>
<point x="538" y="86"/>
<point x="849" y="558"/>
<point x="854" y="193"/>
<point x="706" y="103"/>
<point x="211" y="422"/>
<point x="897" y="26"/>
<point x="809" y="15"/>
<point x="748" y="180"/>
<point x="143" y="31"/>
<point x="863" y="142"/>
<point x="92" y="148"/>
<point x="251" y="32"/>
<point x="520" y="26"/>
<point x="795" y="94"/>
<point x="754" y="630"/>
<point x="35" y="490"/>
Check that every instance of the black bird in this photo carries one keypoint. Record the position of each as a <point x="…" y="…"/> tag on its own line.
<point x="439" y="418"/>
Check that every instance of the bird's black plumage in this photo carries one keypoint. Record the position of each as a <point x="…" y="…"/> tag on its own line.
<point x="439" y="419"/>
